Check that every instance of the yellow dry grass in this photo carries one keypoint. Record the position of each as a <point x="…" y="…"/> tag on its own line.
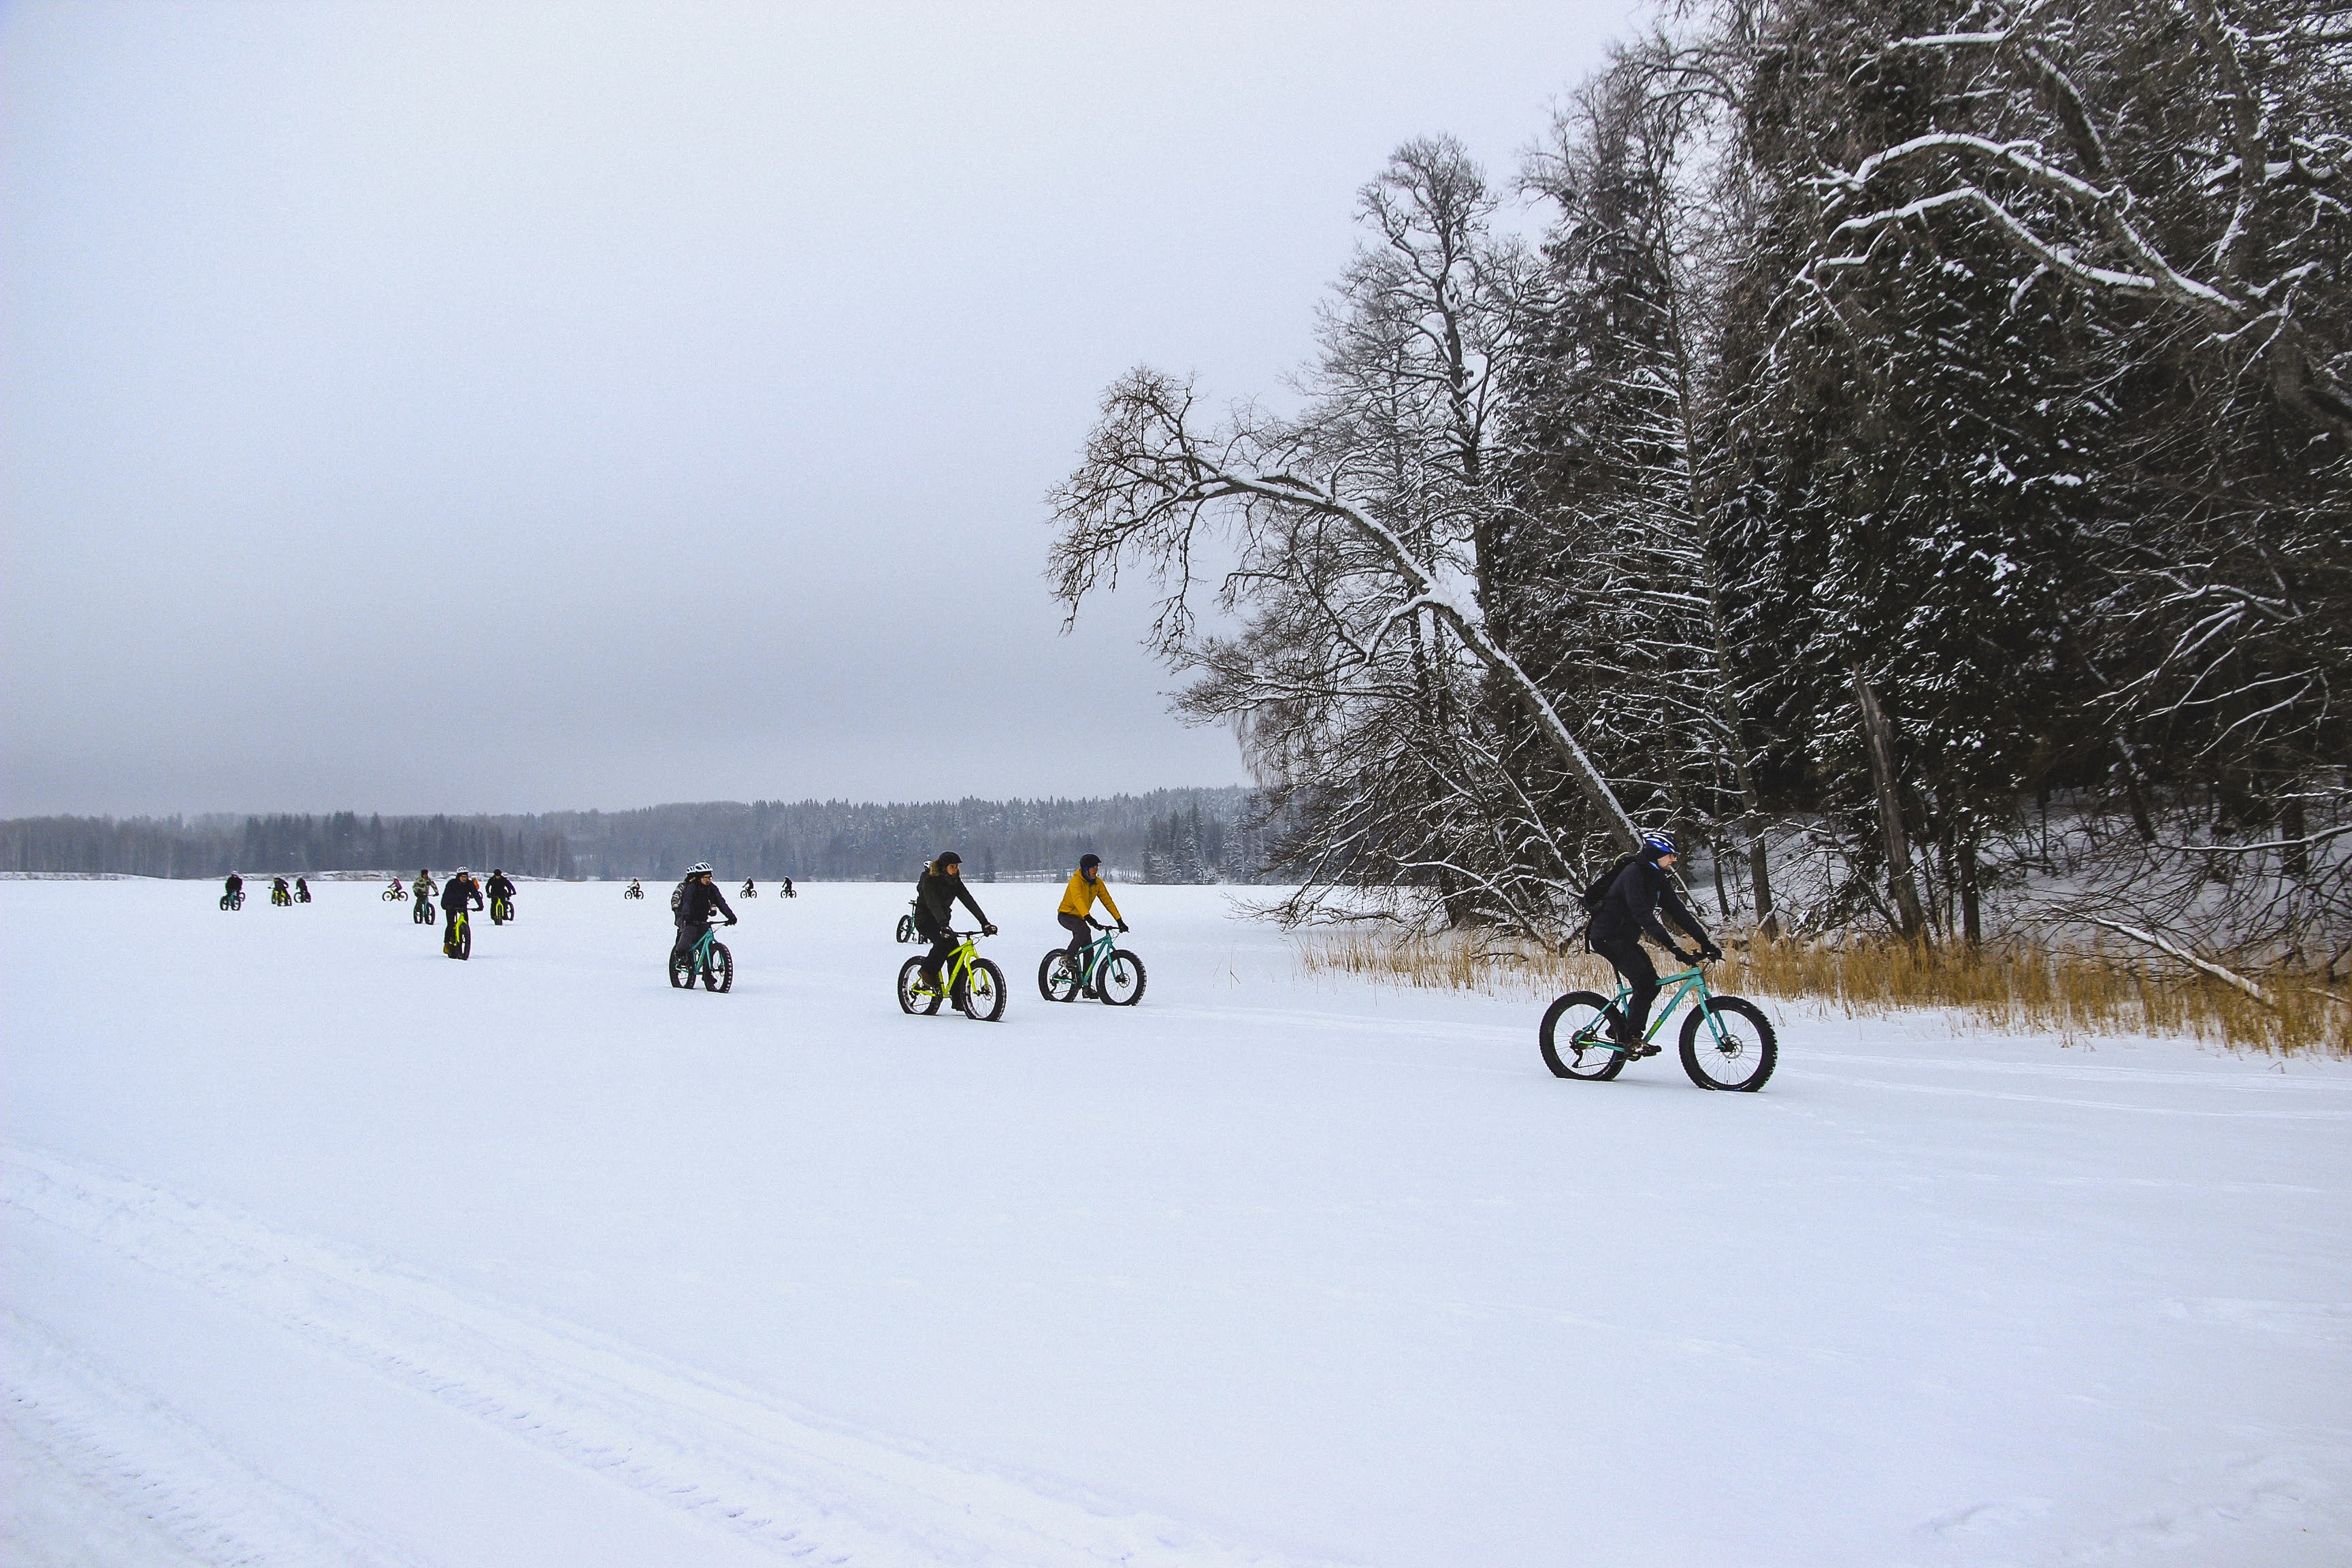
<point x="2006" y="986"/>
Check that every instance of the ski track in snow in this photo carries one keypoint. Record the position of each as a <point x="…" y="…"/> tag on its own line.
<point x="720" y="1453"/>
<point x="192" y="1500"/>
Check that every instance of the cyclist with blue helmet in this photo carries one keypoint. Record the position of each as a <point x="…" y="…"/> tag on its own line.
<point x="1629" y="911"/>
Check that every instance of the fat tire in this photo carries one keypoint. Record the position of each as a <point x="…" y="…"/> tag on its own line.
<point x="1761" y="1056"/>
<point x="1579" y="1064"/>
<point x="1052" y="965"/>
<point x="909" y="972"/>
<point x="1113" y="969"/>
<point x="682" y="970"/>
<point x="985" y="972"/>
<point x="720" y="976"/>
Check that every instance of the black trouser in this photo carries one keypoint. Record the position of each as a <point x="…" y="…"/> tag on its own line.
<point x="1633" y="963"/>
<point x="942" y="944"/>
<point x="688" y="937"/>
<point x="1081" y="930"/>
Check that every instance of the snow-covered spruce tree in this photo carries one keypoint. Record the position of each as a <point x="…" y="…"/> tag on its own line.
<point x="1605" y="559"/>
<point x="1371" y="674"/>
<point x="2168" y="178"/>
<point x="1914" y="438"/>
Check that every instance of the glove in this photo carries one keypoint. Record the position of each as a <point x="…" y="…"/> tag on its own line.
<point x="732" y="921"/>
<point x="987" y="930"/>
<point x="1122" y="928"/>
<point x="1711" y="952"/>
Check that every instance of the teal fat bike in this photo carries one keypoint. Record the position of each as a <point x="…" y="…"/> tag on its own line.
<point x="980" y="980"/>
<point x="1103" y="969"/>
<point x="1727" y="1042"/>
<point x="708" y="961"/>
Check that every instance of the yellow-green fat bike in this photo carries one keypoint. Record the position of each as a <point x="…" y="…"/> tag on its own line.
<point x="976" y="983"/>
<point x="1728" y="1043"/>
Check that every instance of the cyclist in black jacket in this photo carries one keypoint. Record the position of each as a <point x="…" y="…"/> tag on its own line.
<point x="499" y="887"/>
<point x="696" y="900"/>
<point x="459" y="890"/>
<point x="1629" y="911"/>
<point x="935" y="900"/>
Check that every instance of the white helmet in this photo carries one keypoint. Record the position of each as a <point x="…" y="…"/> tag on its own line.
<point x="700" y="867"/>
<point x="461" y="871"/>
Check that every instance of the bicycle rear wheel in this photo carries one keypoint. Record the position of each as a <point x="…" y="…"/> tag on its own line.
<point x="1119" y="979"/>
<point x="682" y="970"/>
<point x="1738" y="1053"/>
<point x="984" y="992"/>
<point x="1057" y="976"/>
<point x="720" y="974"/>
<point x="1575" y="1037"/>
<point x="910" y="1000"/>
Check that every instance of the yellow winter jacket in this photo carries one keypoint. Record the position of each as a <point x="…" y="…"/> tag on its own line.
<point x="1079" y="897"/>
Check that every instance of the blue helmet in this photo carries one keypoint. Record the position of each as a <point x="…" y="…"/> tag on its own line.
<point x="1656" y="845"/>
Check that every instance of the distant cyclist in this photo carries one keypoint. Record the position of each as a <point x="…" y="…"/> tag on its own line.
<point x="697" y="896"/>
<point x="500" y="890"/>
<point x="232" y="890"/>
<point x="279" y="893"/>
<point x="749" y="889"/>
<point x="1629" y="911"/>
<point x="788" y="889"/>
<point x="636" y="890"/>
<point x="424" y="888"/>
<point x="302" y="889"/>
<point x="935" y="900"/>
<point x="1077" y="910"/>
<point x="460" y="890"/>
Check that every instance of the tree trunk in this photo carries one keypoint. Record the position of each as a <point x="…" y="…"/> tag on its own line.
<point x="1879" y="737"/>
<point x="1971" y="900"/>
<point x="2295" y="857"/>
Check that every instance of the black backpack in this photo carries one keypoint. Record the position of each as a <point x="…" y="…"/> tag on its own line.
<point x="1597" y="894"/>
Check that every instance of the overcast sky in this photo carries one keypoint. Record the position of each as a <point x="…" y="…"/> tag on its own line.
<point x="480" y="407"/>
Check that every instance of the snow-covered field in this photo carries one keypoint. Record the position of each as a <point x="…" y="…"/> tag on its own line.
<point x="323" y="1249"/>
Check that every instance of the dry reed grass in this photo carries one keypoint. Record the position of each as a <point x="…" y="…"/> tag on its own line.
<point x="2008" y="986"/>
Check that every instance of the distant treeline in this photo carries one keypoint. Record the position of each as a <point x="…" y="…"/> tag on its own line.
<point x="1169" y="836"/>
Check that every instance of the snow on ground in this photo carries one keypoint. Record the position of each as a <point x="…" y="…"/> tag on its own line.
<point x="322" y="1249"/>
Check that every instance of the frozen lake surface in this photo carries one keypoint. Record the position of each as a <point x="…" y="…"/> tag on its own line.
<point x="323" y="1249"/>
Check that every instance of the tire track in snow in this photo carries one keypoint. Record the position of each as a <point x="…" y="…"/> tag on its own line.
<point x="157" y="1473"/>
<point x="720" y="1452"/>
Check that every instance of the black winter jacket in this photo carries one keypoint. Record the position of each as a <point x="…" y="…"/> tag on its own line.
<point x="498" y="888"/>
<point x="935" y="900"/>
<point x="456" y="891"/>
<point x="1629" y="911"/>
<point x="694" y="905"/>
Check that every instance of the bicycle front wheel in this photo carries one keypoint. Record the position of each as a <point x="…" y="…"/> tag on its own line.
<point x="719" y="973"/>
<point x="1119" y="979"/>
<point x="1057" y="976"/>
<point x="984" y="992"/>
<point x="1575" y="1037"/>
<point x="465" y="943"/>
<point x="1728" y="1043"/>
<point x="911" y="998"/>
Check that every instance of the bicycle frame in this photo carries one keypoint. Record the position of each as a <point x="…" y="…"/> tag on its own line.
<point x="702" y="951"/>
<point x="1092" y="956"/>
<point x="1684" y="981"/>
<point x="957" y="965"/>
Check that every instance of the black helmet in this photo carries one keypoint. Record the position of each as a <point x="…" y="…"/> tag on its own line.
<point x="949" y="859"/>
<point x="1089" y="862"/>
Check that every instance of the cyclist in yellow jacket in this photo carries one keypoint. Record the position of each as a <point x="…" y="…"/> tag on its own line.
<point x="1077" y="910"/>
